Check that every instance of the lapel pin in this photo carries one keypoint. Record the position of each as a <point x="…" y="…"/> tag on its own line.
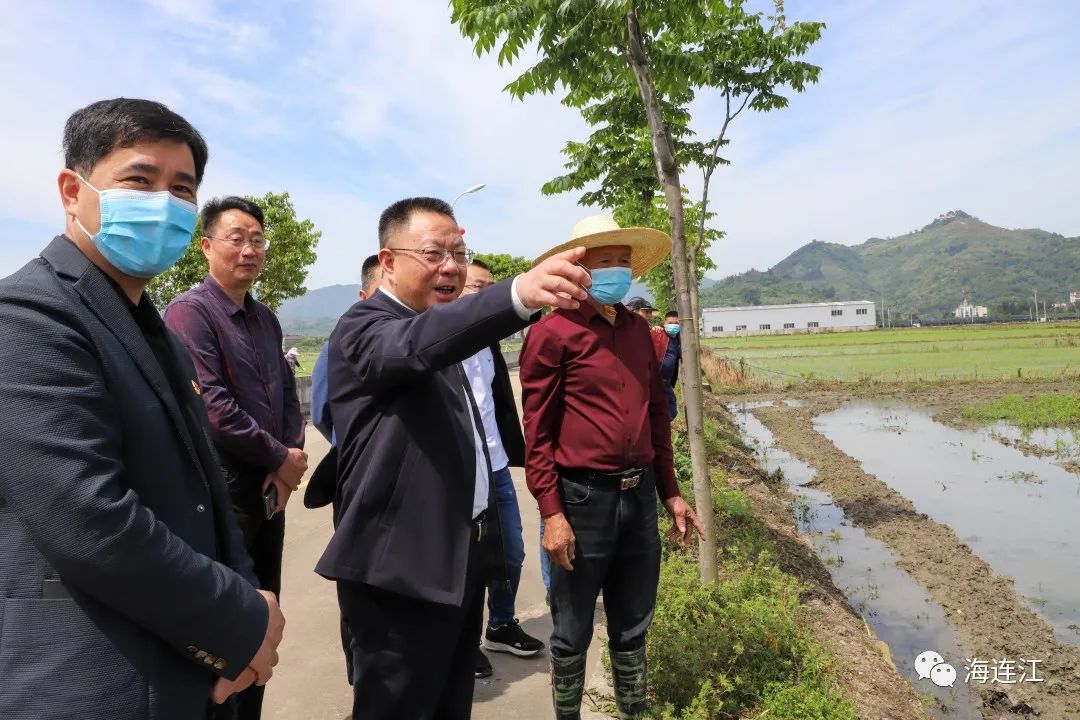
<point x="196" y="388"/>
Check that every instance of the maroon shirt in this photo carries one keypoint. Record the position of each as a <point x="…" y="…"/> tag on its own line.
<point x="247" y="387"/>
<point x="592" y="399"/>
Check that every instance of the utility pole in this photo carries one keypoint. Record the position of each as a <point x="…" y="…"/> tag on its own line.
<point x="1036" y="303"/>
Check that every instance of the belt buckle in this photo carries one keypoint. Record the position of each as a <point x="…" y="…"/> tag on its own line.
<point x="480" y="525"/>
<point x="629" y="483"/>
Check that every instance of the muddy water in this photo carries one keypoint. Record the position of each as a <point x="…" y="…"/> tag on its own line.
<point x="1019" y="514"/>
<point x="1064" y="443"/>
<point x="899" y="610"/>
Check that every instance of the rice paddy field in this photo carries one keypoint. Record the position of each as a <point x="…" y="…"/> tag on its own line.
<point x="971" y="352"/>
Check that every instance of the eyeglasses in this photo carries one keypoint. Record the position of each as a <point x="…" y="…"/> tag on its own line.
<point x="257" y="242"/>
<point x="437" y="256"/>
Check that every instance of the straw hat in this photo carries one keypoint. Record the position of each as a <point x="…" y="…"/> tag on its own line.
<point x="648" y="247"/>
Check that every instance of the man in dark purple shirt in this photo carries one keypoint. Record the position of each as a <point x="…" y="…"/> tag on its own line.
<point x="246" y="385"/>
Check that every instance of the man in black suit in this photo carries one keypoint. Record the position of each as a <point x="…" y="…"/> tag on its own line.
<point x="417" y="524"/>
<point x="125" y="591"/>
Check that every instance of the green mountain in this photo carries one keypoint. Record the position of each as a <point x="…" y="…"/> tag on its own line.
<point x="925" y="272"/>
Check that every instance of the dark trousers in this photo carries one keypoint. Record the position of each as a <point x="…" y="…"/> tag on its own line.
<point x="617" y="554"/>
<point x="672" y="405"/>
<point x="412" y="659"/>
<point x="346" y="634"/>
<point x="264" y="540"/>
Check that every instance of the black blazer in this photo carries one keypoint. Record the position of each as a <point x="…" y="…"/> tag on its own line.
<point x="406" y="452"/>
<point x="124" y="585"/>
<point x="321" y="485"/>
<point x="506" y="414"/>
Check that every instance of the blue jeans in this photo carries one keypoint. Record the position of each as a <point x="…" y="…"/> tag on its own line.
<point x="669" y="388"/>
<point x="501" y="600"/>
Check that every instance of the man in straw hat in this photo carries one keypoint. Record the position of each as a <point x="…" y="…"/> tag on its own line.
<point x="598" y="445"/>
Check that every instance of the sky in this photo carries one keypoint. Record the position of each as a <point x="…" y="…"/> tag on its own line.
<point x="922" y="107"/>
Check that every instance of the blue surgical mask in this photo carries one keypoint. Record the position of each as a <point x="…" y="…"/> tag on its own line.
<point x="142" y="233"/>
<point x="610" y="285"/>
<point x="672" y="329"/>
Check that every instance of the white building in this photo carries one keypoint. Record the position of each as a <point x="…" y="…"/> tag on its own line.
<point x="1074" y="297"/>
<point x="787" y="319"/>
<point x="967" y="311"/>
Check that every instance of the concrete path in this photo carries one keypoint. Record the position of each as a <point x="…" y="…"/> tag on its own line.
<point x="310" y="684"/>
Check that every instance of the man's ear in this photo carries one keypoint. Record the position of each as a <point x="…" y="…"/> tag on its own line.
<point x="386" y="260"/>
<point x="69" y="186"/>
<point x="205" y="243"/>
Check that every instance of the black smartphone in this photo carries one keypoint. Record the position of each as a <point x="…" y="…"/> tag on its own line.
<point x="270" y="501"/>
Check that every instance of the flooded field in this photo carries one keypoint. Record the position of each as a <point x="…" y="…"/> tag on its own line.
<point x="900" y="611"/>
<point x="1017" y="512"/>
<point x="942" y="533"/>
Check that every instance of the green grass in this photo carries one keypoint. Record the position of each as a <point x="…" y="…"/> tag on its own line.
<point x="742" y="647"/>
<point x="1028" y="414"/>
<point x="307" y="361"/>
<point x="963" y="353"/>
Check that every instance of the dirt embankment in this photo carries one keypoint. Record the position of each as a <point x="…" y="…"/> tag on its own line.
<point x="992" y="619"/>
<point x="863" y="665"/>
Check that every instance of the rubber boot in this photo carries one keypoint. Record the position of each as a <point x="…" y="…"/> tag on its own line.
<point x="629" y="675"/>
<point x="567" y="685"/>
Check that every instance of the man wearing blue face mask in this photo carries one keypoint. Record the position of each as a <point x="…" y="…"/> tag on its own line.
<point x="125" y="590"/>
<point x="597" y="453"/>
<point x="668" y="353"/>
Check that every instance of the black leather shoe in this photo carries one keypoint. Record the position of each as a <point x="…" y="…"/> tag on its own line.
<point x="483" y="665"/>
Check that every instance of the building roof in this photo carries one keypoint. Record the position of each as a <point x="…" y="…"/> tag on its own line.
<point x="839" y="303"/>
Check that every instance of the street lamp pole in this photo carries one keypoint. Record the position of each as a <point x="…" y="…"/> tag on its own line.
<point x="475" y="188"/>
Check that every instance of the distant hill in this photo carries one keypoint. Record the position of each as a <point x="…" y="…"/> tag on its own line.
<point x="925" y="272"/>
<point x="316" y="312"/>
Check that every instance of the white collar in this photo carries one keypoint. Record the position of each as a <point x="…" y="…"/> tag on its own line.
<point x="394" y="297"/>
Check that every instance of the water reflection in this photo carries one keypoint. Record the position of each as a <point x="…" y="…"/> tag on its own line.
<point x="1018" y="513"/>
<point x="900" y="611"/>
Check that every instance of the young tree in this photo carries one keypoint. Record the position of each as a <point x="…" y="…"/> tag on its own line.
<point x="594" y="50"/>
<point x="290" y="254"/>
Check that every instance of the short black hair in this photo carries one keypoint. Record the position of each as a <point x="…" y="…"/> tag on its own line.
<point x="97" y="129"/>
<point x="399" y="213"/>
<point x="480" y="264"/>
<point x="368" y="270"/>
<point x="672" y="314"/>
<point x="215" y="207"/>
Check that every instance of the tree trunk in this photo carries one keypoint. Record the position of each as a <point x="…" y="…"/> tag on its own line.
<point x="695" y="281"/>
<point x="668" y="173"/>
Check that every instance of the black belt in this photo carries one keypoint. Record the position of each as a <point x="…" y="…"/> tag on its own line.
<point x="622" y="480"/>
<point x="479" y="527"/>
